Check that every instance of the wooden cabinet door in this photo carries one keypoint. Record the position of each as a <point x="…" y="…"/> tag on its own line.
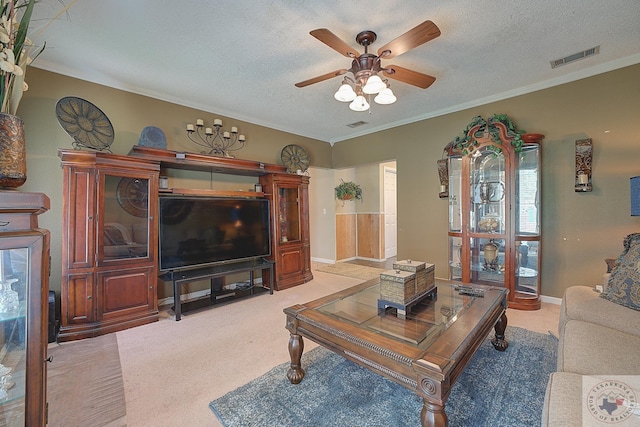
<point x="78" y="228"/>
<point x="290" y="262"/>
<point x="126" y="293"/>
<point x="78" y="299"/>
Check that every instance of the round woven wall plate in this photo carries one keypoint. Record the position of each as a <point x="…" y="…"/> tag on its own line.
<point x="295" y="158"/>
<point x="85" y="123"/>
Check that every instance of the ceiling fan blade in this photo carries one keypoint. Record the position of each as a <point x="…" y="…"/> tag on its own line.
<point x="409" y="76"/>
<point x="409" y="40"/>
<point x="334" y="42"/>
<point x="321" y="78"/>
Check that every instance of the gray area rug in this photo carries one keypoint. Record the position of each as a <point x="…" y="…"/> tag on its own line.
<point x="496" y="389"/>
<point x="84" y="383"/>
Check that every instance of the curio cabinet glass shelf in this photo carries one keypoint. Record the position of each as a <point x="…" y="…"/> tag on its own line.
<point x="494" y="209"/>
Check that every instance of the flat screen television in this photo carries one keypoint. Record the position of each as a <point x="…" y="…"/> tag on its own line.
<point x="199" y="232"/>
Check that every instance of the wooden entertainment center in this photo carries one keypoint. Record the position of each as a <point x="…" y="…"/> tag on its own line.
<point x="110" y="232"/>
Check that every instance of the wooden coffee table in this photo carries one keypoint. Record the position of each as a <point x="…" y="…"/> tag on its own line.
<point x="425" y="351"/>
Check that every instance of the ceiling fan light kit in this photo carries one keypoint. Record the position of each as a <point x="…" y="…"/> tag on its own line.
<point x="364" y="79"/>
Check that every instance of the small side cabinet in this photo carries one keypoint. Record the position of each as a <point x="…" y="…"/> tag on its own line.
<point x="290" y="243"/>
<point x="110" y="243"/>
<point x="24" y="288"/>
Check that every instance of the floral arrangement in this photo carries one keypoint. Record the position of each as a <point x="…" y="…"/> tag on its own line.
<point x="466" y="144"/>
<point x="16" y="49"/>
<point x="348" y="191"/>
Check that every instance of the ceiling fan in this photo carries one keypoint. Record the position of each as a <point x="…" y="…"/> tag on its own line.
<point x="366" y="66"/>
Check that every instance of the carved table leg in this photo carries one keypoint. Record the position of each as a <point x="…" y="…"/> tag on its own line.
<point x="296" y="346"/>
<point x="433" y="415"/>
<point x="499" y="343"/>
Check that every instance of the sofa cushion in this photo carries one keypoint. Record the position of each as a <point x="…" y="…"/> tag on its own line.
<point x="563" y="400"/>
<point x="591" y="349"/>
<point x="584" y="303"/>
<point x="624" y="284"/>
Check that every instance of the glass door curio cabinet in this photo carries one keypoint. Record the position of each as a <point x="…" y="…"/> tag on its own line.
<point x="494" y="209"/>
<point x="24" y="288"/>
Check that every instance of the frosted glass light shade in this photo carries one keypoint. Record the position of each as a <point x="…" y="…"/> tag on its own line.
<point x="374" y="85"/>
<point x="385" y="97"/>
<point x="345" y="93"/>
<point x="359" y="104"/>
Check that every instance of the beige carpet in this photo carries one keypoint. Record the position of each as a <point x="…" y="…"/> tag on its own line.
<point x="351" y="270"/>
<point x="84" y="383"/>
<point x="171" y="370"/>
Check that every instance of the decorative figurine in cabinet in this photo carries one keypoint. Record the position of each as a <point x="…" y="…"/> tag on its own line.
<point x="110" y="241"/>
<point x="24" y="288"/>
<point x="290" y="244"/>
<point x="494" y="209"/>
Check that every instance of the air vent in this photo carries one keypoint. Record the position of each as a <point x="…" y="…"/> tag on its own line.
<point x="575" y="57"/>
<point x="356" y="124"/>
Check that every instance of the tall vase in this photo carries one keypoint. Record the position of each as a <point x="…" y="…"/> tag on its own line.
<point x="13" y="152"/>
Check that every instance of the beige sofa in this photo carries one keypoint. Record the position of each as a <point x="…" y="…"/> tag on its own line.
<point x="599" y="335"/>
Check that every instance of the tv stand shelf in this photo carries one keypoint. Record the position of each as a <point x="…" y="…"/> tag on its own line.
<point x="186" y="276"/>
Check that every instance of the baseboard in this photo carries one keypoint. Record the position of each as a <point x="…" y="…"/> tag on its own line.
<point x="550" y="300"/>
<point x="323" y="260"/>
<point x="194" y="295"/>
<point x="371" y="259"/>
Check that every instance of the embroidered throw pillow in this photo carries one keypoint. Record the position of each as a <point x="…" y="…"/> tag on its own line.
<point x="624" y="283"/>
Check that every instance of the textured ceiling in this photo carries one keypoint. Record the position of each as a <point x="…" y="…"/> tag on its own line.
<point x="241" y="58"/>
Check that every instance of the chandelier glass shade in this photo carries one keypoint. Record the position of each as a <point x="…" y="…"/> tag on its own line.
<point x="385" y="97"/>
<point x="374" y="85"/>
<point x="359" y="104"/>
<point x="345" y="93"/>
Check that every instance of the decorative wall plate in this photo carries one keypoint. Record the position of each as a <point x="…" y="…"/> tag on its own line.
<point x="133" y="196"/>
<point x="152" y="136"/>
<point x="85" y="123"/>
<point x="295" y="158"/>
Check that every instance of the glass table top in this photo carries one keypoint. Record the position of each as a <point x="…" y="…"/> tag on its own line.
<point x="420" y="326"/>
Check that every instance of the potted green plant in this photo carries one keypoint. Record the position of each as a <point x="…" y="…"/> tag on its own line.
<point x="348" y="191"/>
